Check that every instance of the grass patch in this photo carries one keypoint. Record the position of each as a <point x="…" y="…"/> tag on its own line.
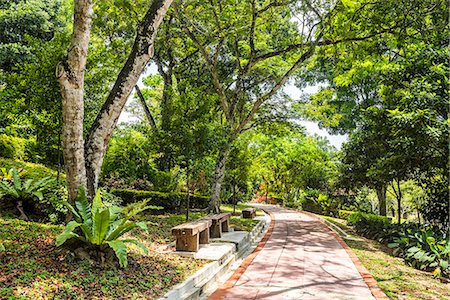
<point x="394" y="276"/>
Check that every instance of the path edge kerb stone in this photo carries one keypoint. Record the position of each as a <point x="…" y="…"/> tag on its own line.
<point x="221" y="291"/>
<point x="376" y="291"/>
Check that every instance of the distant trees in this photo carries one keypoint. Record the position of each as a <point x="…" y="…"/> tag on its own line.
<point x="391" y="95"/>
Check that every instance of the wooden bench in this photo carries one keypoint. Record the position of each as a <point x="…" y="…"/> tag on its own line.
<point x="190" y="235"/>
<point x="220" y="223"/>
<point x="249" y="213"/>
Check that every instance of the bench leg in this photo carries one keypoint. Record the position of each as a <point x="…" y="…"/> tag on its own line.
<point x="214" y="230"/>
<point x="187" y="243"/>
<point x="204" y="236"/>
<point x="225" y="226"/>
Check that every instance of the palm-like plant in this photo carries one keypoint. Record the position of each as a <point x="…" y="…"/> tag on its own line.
<point x="12" y="185"/>
<point x="101" y="227"/>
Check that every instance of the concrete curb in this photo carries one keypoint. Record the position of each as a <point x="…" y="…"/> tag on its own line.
<point x="377" y="292"/>
<point x="195" y="286"/>
<point x="220" y="292"/>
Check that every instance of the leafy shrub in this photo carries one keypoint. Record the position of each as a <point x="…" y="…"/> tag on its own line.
<point x="2" y="247"/>
<point x="318" y="203"/>
<point x="12" y="147"/>
<point x="33" y="170"/>
<point x="170" y="201"/>
<point x="371" y="226"/>
<point x="20" y="190"/>
<point x="42" y="153"/>
<point x="424" y="248"/>
<point x="101" y="227"/>
<point x="344" y="214"/>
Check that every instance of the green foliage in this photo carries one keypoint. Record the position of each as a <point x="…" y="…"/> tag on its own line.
<point x="12" y="147"/>
<point x="316" y="202"/>
<point x="101" y="226"/>
<point x="424" y="248"/>
<point x="170" y="201"/>
<point x="21" y="20"/>
<point x="371" y="226"/>
<point x="344" y="214"/>
<point x="12" y="185"/>
<point x="2" y="247"/>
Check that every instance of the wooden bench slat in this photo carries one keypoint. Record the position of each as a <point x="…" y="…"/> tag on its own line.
<point x="191" y="228"/>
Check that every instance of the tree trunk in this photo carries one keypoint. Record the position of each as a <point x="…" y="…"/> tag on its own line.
<point x="219" y="175"/>
<point x="381" y="195"/>
<point x="70" y="73"/>
<point x="148" y="114"/>
<point x="167" y="89"/>
<point x="188" y="195"/>
<point x="108" y="116"/>
<point x="234" y="197"/>
<point x="399" y="202"/>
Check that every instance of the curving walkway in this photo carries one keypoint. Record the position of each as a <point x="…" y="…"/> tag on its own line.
<point x="301" y="260"/>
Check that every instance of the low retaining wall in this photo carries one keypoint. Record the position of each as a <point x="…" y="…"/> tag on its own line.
<point x="195" y="286"/>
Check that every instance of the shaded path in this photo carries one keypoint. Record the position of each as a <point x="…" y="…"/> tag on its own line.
<point x="301" y="260"/>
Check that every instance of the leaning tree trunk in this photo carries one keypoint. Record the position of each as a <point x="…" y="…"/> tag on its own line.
<point x="381" y="195"/>
<point x="219" y="175"/>
<point x="106" y="120"/>
<point x="70" y="75"/>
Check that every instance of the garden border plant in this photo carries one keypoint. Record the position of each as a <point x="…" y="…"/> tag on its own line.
<point x="422" y="246"/>
<point x="97" y="229"/>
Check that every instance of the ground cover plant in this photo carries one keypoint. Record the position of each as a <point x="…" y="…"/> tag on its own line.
<point x="422" y="246"/>
<point x="33" y="267"/>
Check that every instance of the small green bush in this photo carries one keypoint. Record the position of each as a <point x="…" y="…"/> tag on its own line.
<point x="371" y="226"/>
<point x="12" y="147"/>
<point x="316" y="202"/>
<point x="100" y="228"/>
<point x="344" y="214"/>
<point x="169" y="201"/>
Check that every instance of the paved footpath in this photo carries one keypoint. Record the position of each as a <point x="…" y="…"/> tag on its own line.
<point x="300" y="260"/>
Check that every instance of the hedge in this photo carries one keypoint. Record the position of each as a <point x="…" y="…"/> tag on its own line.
<point x="169" y="201"/>
<point x="371" y="226"/>
<point x="344" y="214"/>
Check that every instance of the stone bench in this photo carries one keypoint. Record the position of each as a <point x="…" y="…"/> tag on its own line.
<point x="190" y="235"/>
<point x="249" y="213"/>
<point x="220" y="223"/>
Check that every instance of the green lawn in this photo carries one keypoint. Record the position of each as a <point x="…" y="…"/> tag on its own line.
<point x="394" y="276"/>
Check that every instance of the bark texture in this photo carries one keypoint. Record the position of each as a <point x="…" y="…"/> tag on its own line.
<point x="381" y="195"/>
<point x="219" y="176"/>
<point x="70" y="73"/>
<point x="106" y="120"/>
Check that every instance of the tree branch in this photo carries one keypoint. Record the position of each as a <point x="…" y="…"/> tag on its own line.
<point x="210" y="64"/>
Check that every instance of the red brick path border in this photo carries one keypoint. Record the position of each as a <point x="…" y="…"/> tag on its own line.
<point x="368" y="278"/>
<point x="220" y="292"/>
